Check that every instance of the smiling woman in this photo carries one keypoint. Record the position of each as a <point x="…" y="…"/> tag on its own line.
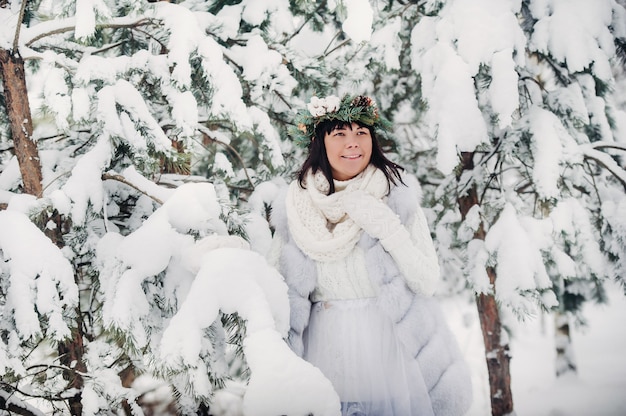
<point x="349" y="149"/>
<point x="353" y="245"/>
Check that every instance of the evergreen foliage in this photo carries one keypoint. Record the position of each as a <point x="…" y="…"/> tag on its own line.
<point x="135" y="99"/>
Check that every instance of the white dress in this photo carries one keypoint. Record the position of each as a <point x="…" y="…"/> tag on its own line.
<point x="355" y="347"/>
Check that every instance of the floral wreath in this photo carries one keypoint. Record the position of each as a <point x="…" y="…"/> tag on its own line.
<point x="349" y="109"/>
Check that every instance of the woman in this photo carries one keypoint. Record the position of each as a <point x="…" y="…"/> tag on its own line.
<point x="354" y="247"/>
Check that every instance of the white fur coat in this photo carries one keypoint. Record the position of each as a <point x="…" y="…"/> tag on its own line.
<point x="419" y="321"/>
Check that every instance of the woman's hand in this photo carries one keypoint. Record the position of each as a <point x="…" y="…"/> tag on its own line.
<point x="371" y="214"/>
<point x="419" y="266"/>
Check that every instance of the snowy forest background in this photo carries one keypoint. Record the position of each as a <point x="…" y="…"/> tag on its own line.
<point x="141" y="144"/>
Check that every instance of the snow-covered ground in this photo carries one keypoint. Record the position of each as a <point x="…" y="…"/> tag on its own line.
<point x="599" y="348"/>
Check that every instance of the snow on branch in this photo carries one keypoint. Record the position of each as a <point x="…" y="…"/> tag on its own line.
<point x="605" y="160"/>
<point x="41" y="285"/>
<point x="602" y="144"/>
<point x="157" y="247"/>
<point x="135" y="180"/>
<point x="13" y="404"/>
<point x="579" y="241"/>
<point x="41" y="30"/>
<point x="240" y="281"/>
<point x="201" y="279"/>
<point x="134" y="122"/>
<point x="519" y="263"/>
<point x="84" y="186"/>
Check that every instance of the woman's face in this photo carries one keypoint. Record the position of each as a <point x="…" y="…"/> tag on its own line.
<point x="349" y="150"/>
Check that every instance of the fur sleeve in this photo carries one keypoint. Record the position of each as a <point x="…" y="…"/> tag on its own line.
<point x="297" y="270"/>
<point x="443" y="366"/>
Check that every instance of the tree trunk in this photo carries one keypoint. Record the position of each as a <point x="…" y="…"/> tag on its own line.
<point x="18" y="108"/>
<point x="497" y="353"/>
<point x="71" y="355"/>
<point x="71" y="350"/>
<point x="565" y="359"/>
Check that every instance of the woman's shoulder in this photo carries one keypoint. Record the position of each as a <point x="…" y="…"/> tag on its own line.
<point x="405" y="197"/>
<point x="411" y="182"/>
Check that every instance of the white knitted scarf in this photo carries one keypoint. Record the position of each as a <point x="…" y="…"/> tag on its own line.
<point x="318" y="222"/>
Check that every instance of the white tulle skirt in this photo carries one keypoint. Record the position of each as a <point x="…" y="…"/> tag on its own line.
<point x="356" y="348"/>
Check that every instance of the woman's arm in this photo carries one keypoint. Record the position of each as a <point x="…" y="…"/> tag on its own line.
<point x="414" y="252"/>
<point x="410" y="244"/>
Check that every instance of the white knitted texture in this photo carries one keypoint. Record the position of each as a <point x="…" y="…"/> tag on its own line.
<point x="415" y="255"/>
<point x="413" y="251"/>
<point x="318" y="222"/>
<point x="328" y="227"/>
<point x="371" y="214"/>
<point x="346" y="278"/>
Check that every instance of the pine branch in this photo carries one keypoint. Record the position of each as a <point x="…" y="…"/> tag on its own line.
<point x="54" y="180"/>
<point x="342" y="44"/>
<point x="607" y="145"/>
<point x="620" y="50"/>
<point x="330" y="43"/>
<point x="55" y="29"/>
<point x="207" y="134"/>
<point x="321" y="6"/>
<point x="18" y="26"/>
<point x="11" y="403"/>
<point x="606" y="161"/>
<point x="123" y="180"/>
<point x="7" y="394"/>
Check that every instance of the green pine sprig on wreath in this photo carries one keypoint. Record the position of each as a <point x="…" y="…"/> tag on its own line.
<point x="349" y="109"/>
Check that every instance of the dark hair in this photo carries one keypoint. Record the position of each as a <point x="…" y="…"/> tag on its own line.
<point x="318" y="159"/>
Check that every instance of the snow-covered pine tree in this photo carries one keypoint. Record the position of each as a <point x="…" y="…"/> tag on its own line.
<point x="128" y="99"/>
<point x="133" y="94"/>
